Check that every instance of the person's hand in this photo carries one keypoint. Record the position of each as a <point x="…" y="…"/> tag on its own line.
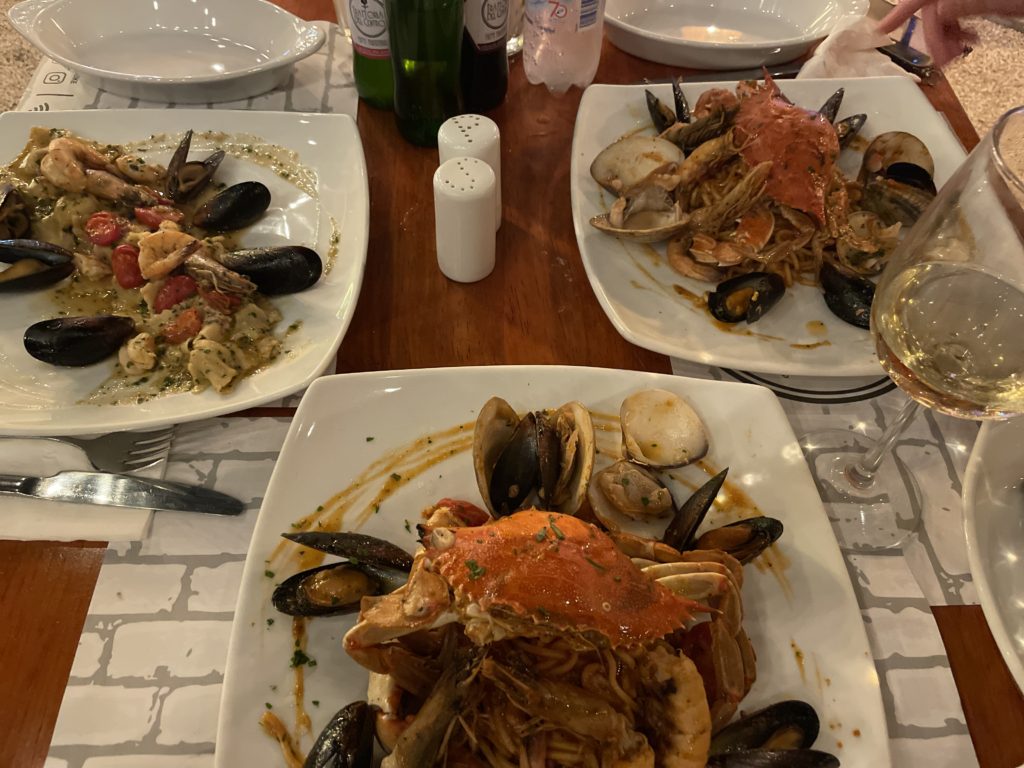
<point x="945" y="38"/>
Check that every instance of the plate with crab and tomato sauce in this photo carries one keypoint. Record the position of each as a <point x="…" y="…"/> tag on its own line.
<point x="742" y="225"/>
<point x="563" y="566"/>
<point x="174" y="265"/>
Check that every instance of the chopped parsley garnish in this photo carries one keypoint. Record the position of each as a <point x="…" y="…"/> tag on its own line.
<point x="395" y="476"/>
<point x="269" y="574"/>
<point x="270" y="622"/>
<point x="408" y="527"/>
<point x="369" y="439"/>
<point x="595" y="564"/>
<point x="644" y="500"/>
<point x="268" y="705"/>
<point x="475" y="571"/>
<point x="555" y="529"/>
<point x="299" y="658"/>
<point x="541" y="534"/>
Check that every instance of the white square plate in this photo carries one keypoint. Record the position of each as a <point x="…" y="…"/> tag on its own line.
<point x="805" y="626"/>
<point x="634" y="283"/>
<point x="40" y="399"/>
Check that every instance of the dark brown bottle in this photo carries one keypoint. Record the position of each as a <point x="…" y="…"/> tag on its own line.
<point x="484" y="66"/>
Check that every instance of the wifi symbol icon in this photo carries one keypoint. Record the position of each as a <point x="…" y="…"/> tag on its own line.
<point x="44" y="107"/>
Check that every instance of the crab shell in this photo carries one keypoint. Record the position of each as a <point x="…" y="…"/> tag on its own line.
<point x="538" y="572"/>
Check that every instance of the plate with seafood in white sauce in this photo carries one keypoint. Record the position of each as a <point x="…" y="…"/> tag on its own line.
<point x="545" y="565"/>
<point x="742" y="225"/>
<point x="161" y="266"/>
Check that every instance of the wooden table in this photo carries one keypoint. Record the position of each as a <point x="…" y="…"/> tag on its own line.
<point x="536" y="307"/>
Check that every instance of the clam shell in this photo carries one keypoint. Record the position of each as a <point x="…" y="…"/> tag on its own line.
<point x="630" y="160"/>
<point x="495" y="424"/>
<point x="576" y="435"/>
<point x="645" y="226"/>
<point x="627" y="497"/>
<point x="660" y="430"/>
<point x="894" y="147"/>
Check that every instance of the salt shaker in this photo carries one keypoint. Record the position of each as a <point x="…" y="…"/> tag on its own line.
<point x="464" y="191"/>
<point x="473" y="136"/>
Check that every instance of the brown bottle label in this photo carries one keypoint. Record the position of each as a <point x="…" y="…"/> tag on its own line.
<point x="369" y="28"/>
<point x="485" y="21"/>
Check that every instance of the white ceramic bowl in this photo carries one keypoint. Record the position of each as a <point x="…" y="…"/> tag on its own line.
<point x="183" y="51"/>
<point x="723" y="34"/>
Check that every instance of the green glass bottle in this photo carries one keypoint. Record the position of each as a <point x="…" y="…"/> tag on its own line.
<point x="371" y="60"/>
<point x="426" y="45"/>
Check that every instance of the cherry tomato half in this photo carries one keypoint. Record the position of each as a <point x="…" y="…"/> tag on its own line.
<point x="221" y="302"/>
<point x="104" y="228"/>
<point x="174" y="291"/>
<point x="152" y="217"/>
<point x="125" y="263"/>
<point x="183" y="327"/>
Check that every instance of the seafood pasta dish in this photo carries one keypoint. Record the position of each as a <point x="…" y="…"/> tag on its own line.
<point x="538" y="632"/>
<point x="143" y="265"/>
<point x="746" y="192"/>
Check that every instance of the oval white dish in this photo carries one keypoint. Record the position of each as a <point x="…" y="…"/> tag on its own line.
<point x="723" y="34"/>
<point x="172" y="50"/>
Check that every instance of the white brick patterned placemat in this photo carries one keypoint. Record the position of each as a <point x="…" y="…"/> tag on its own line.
<point x="145" y="686"/>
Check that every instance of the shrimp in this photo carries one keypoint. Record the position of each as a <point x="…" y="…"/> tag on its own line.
<point x="165" y="250"/>
<point x="109" y="187"/>
<point x="66" y="161"/>
<point x="138" y="355"/>
<point x="677" y="695"/>
<point x="136" y="169"/>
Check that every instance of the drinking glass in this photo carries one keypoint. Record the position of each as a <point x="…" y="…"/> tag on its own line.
<point x="948" y="324"/>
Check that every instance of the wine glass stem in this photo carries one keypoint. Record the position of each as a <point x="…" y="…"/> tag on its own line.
<point x="862" y="473"/>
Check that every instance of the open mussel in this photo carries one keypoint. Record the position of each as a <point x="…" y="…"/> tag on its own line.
<point x="34" y="264"/>
<point x="346" y="741"/>
<point x="746" y="297"/>
<point x="14" y="217"/>
<point x="830" y="109"/>
<point x="661" y="114"/>
<point x="898" y="177"/>
<point x="848" y="296"/>
<point x="849" y="127"/>
<point x="186" y="179"/>
<point x="236" y="207"/>
<point x="660" y="430"/>
<point x="77" y="341"/>
<point x="334" y="589"/>
<point x="744" y="539"/>
<point x="687" y="519"/>
<point x="277" y="270"/>
<point x="542" y="459"/>
<point x="373" y="567"/>
<point x="788" y="725"/>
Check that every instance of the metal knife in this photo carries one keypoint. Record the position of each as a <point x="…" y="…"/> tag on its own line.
<point x="112" y="490"/>
<point x="778" y="72"/>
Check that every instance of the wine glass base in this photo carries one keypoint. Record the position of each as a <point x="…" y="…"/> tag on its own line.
<point x="881" y="516"/>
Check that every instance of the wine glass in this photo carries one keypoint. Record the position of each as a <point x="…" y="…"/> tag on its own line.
<point x="948" y="324"/>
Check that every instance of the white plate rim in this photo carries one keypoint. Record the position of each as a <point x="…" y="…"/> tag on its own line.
<point x="308" y="40"/>
<point x="301" y="427"/>
<point x="973" y="476"/>
<point x="847" y="8"/>
<point x="342" y="124"/>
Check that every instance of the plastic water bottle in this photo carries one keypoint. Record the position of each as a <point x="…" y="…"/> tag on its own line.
<point x="562" y="42"/>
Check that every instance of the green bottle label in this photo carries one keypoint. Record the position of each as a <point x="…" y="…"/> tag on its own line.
<point x="369" y="28"/>
<point x="485" y="22"/>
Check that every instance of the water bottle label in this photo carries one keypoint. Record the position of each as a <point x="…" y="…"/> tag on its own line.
<point x="588" y="13"/>
<point x="485" y="22"/>
<point x="369" y="28"/>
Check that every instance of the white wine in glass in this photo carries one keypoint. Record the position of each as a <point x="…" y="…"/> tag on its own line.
<point x="948" y="324"/>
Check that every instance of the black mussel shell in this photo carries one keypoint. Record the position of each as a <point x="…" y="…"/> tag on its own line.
<point x="187" y="179"/>
<point x="549" y="454"/>
<point x="912" y="175"/>
<point x="77" y="341"/>
<point x="277" y="270"/>
<point x="36" y="264"/>
<point x="830" y="109"/>
<point x="849" y="297"/>
<point x="334" y="589"/>
<point x="690" y="515"/>
<point x="745" y="539"/>
<point x="237" y="206"/>
<point x="785" y="725"/>
<point x="516" y="473"/>
<point x="14" y="218"/>
<point x="661" y="114"/>
<point x="849" y="127"/>
<point x="346" y="741"/>
<point x="682" y="106"/>
<point x="746" y="297"/>
<point x="356" y="547"/>
<point x="894" y="201"/>
<point x="774" y="758"/>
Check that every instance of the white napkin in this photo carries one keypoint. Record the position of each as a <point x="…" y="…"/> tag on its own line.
<point x="38" y="520"/>
<point x="850" y="52"/>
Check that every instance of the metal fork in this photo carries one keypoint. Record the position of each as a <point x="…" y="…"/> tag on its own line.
<point x="123" y="451"/>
